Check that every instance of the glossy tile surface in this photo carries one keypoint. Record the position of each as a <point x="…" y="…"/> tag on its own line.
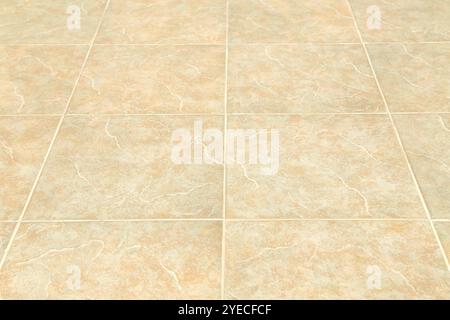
<point x="149" y="79"/>
<point x="23" y="145"/>
<point x="38" y="79"/>
<point x="334" y="260"/>
<point x="301" y="78"/>
<point x="168" y="22"/>
<point x="6" y="230"/>
<point x="42" y="21"/>
<point x="284" y="21"/>
<point x="427" y="142"/>
<point x="114" y="261"/>
<point x="402" y="20"/>
<point x="121" y="168"/>
<point x="414" y="77"/>
<point x="224" y="149"/>
<point x="341" y="166"/>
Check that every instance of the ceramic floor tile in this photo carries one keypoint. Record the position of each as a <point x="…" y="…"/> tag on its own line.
<point x="6" y="230"/>
<point x="414" y="77"/>
<point x="42" y="21"/>
<point x="402" y="20"/>
<point x="426" y="139"/>
<point x="334" y="260"/>
<point x="301" y="78"/>
<point x="149" y="79"/>
<point x="121" y="168"/>
<point x="170" y="21"/>
<point x="23" y="145"/>
<point x="275" y="21"/>
<point x="443" y="231"/>
<point x="156" y="260"/>
<point x="341" y="166"/>
<point x="38" y="79"/>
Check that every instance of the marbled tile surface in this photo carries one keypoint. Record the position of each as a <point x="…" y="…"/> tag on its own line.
<point x="340" y="110"/>
<point x="121" y="168"/>
<point x="301" y="78"/>
<point x="164" y="22"/>
<point x="426" y="139"/>
<point x="414" y="77"/>
<point x="333" y="166"/>
<point x="38" y="79"/>
<point x="114" y="261"/>
<point x="334" y="260"/>
<point x="149" y="79"/>
<point x="42" y="21"/>
<point x="23" y="144"/>
<point x="281" y="21"/>
<point x="403" y="20"/>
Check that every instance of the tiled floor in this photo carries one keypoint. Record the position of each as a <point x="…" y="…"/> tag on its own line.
<point x="92" y="206"/>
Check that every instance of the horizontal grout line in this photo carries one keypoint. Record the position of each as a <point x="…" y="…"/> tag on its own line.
<point x="221" y="219"/>
<point x="32" y="115"/>
<point x="224" y="44"/>
<point x="219" y="114"/>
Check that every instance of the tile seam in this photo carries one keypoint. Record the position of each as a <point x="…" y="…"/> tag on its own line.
<point x="397" y="134"/>
<point x="58" y="127"/>
<point x="225" y="125"/>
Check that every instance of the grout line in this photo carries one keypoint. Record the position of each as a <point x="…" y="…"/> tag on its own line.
<point x="422" y="199"/>
<point x="224" y="44"/>
<point x="11" y="240"/>
<point x="225" y="125"/>
<point x="218" y="114"/>
<point x="221" y="220"/>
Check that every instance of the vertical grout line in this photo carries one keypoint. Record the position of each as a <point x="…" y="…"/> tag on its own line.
<point x="397" y="134"/>
<point x="225" y="124"/>
<point x="52" y="142"/>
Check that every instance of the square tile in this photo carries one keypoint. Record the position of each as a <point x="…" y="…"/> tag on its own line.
<point x="169" y="22"/>
<point x="282" y="21"/>
<point x="426" y="139"/>
<point x="152" y="79"/>
<point x="38" y="79"/>
<point x="335" y="166"/>
<point x="402" y="20"/>
<point x="23" y="145"/>
<point x="42" y="21"/>
<point x="140" y="260"/>
<point x="414" y="77"/>
<point x="121" y="168"/>
<point x="301" y="78"/>
<point x="334" y="260"/>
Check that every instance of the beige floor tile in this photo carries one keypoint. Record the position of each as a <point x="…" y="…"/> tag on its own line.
<point x="426" y="139"/>
<point x="301" y="78"/>
<point x="121" y="168"/>
<point x="38" y="79"/>
<point x="6" y="230"/>
<point x="170" y="21"/>
<point x="151" y="260"/>
<point x="23" y="145"/>
<point x="403" y="20"/>
<point x="334" y="260"/>
<point x="341" y="166"/>
<point x="414" y="77"/>
<point x="43" y="21"/>
<point x="443" y="231"/>
<point x="149" y="79"/>
<point x="275" y="21"/>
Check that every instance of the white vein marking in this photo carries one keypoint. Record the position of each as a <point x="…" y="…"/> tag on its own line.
<point x="173" y="275"/>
